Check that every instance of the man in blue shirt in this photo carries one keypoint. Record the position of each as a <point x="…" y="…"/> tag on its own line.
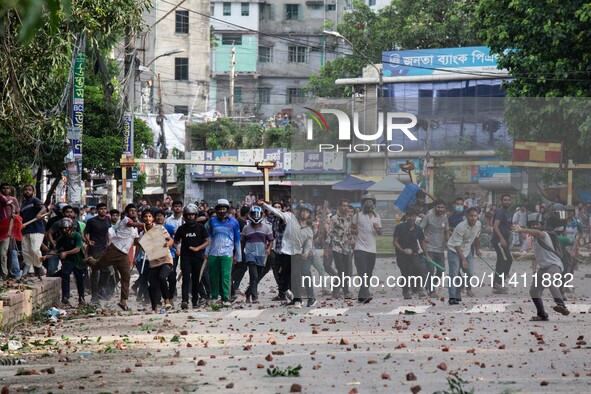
<point x="224" y="250"/>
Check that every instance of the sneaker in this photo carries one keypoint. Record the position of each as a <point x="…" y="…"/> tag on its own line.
<point x="406" y="295"/>
<point x="255" y="301"/>
<point x="65" y="301"/>
<point x="297" y="305"/>
<point x="469" y="293"/>
<point x="82" y="302"/>
<point x="348" y="295"/>
<point x="453" y="301"/>
<point x="278" y="298"/>
<point x="290" y="303"/>
<point x="248" y="301"/>
<point x="540" y="318"/>
<point x="311" y="302"/>
<point x="195" y="305"/>
<point x="184" y="305"/>
<point x="561" y="309"/>
<point x="226" y="303"/>
<point x="289" y="295"/>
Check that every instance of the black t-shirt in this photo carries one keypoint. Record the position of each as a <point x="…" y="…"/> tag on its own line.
<point x="505" y="222"/>
<point x="188" y="236"/>
<point x="98" y="231"/>
<point x="30" y="208"/>
<point x="407" y="238"/>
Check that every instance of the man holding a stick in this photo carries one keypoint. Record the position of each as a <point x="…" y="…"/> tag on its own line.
<point x="32" y="211"/>
<point x="502" y="222"/>
<point x="459" y="252"/>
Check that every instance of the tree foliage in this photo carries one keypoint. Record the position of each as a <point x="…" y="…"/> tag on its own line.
<point x="33" y="110"/>
<point x="403" y="24"/>
<point x="226" y="134"/>
<point x="544" y="45"/>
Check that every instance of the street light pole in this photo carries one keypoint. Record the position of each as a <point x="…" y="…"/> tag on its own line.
<point x="163" y="149"/>
<point x="363" y="55"/>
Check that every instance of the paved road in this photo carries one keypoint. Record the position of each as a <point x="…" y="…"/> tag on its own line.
<point x="342" y="346"/>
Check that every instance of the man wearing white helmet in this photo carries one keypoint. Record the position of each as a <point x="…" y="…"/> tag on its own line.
<point x="224" y="250"/>
<point x="257" y="238"/>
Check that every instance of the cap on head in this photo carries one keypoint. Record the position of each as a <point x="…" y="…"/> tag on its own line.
<point x="307" y="207"/>
<point x="222" y="202"/>
<point x="534" y="218"/>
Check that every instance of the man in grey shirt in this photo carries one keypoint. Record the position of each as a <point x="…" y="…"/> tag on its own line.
<point x="549" y="264"/>
<point x="435" y="225"/>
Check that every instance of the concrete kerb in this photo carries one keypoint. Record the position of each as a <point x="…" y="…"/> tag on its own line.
<point x="17" y="305"/>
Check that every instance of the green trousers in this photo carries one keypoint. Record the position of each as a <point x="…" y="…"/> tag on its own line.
<point x="220" y="273"/>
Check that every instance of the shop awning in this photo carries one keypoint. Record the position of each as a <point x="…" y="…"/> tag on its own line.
<point x="307" y="182"/>
<point x="356" y="182"/>
<point x="390" y="183"/>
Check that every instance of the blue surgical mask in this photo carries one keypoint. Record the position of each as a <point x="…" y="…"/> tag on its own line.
<point x="459" y="208"/>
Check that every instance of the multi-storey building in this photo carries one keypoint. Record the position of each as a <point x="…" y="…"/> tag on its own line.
<point x="176" y="47"/>
<point x="278" y="45"/>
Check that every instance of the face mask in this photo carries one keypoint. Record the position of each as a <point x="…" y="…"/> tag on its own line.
<point x="222" y="215"/>
<point x="459" y="208"/>
<point x="367" y="207"/>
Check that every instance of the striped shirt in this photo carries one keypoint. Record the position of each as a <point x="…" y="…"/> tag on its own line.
<point x="256" y="239"/>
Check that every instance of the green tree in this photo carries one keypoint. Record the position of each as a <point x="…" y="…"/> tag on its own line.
<point x="36" y="72"/>
<point x="544" y="45"/>
<point x="404" y="24"/>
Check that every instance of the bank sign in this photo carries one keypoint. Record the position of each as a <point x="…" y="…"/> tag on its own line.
<point x="437" y="61"/>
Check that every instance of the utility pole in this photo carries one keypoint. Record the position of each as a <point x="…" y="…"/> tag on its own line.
<point x="128" y="135"/>
<point x="232" y="77"/>
<point x="163" y="149"/>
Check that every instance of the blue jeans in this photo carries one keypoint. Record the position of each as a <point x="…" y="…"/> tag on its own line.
<point x="454" y="270"/>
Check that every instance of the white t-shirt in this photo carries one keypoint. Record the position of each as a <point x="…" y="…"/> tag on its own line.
<point x="122" y="238"/>
<point x="366" y="233"/>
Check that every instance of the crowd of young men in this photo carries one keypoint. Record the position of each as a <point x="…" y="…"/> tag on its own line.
<point x="215" y="248"/>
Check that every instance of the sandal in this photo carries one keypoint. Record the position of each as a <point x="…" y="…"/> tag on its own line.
<point x="539" y="318"/>
<point x="124" y="307"/>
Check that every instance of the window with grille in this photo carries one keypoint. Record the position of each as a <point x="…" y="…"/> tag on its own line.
<point x="265" y="54"/>
<point x="297" y="54"/>
<point x="292" y="11"/>
<point x="182" y="22"/>
<point x="331" y="7"/>
<point x="181" y="109"/>
<point x="264" y="95"/>
<point x="295" y="96"/>
<point x="237" y="94"/>
<point x="227" y="9"/>
<point x="231" y="39"/>
<point x="371" y="2"/>
<point x="181" y="69"/>
<point x="245" y="9"/>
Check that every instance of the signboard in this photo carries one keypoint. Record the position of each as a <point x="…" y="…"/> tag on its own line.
<point x="134" y="175"/>
<point x="286" y="162"/>
<point x="128" y="133"/>
<point x="78" y="103"/>
<point x="437" y="61"/>
<point x="539" y="151"/>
